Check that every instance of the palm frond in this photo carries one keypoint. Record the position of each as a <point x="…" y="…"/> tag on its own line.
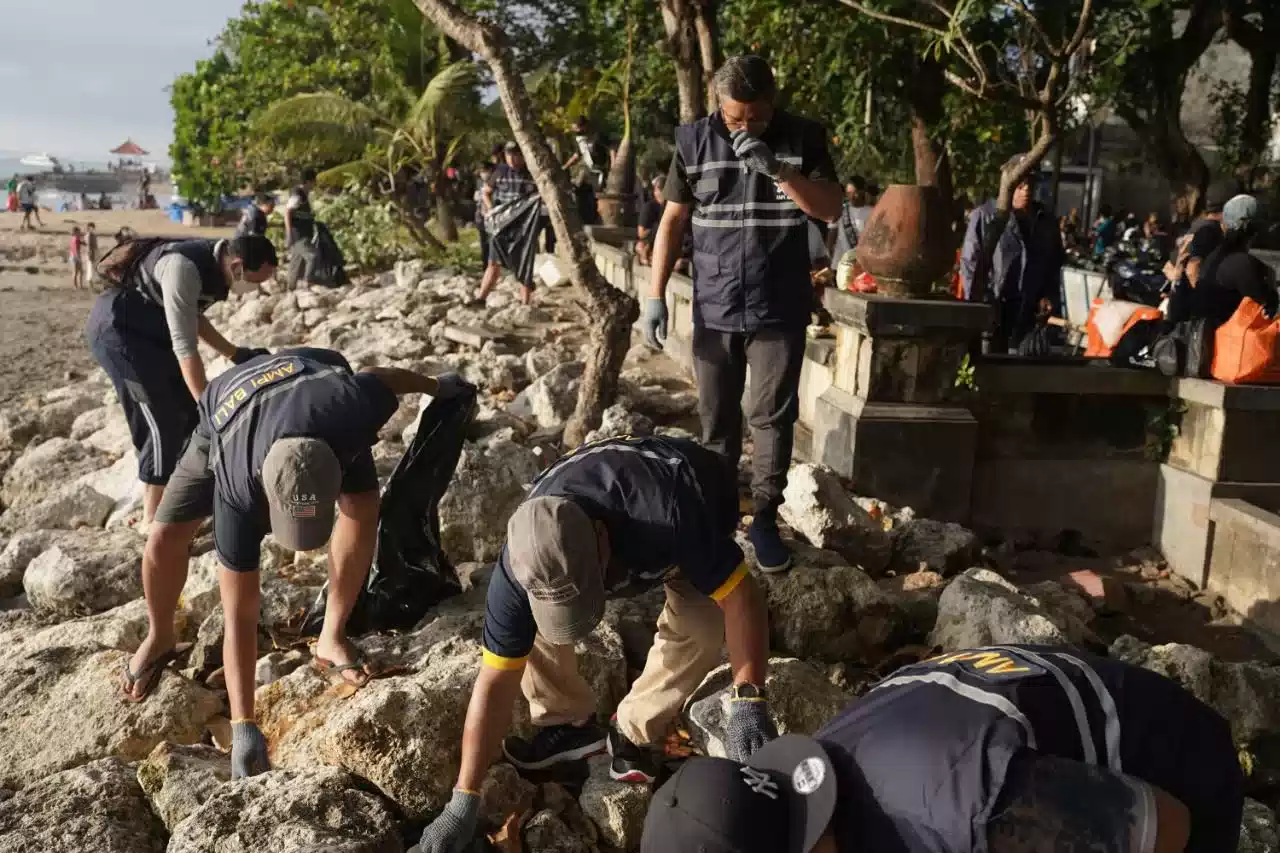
<point x="360" y="171"/>
<point x="321" y="120"/>
<point x="452" y="82"/>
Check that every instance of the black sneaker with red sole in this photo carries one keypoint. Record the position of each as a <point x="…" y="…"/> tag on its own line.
<point x="556" y="745"/>
<point x="630" y="763"/>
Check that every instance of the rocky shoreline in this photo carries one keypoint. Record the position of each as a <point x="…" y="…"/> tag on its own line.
<point x="872" y="588"/>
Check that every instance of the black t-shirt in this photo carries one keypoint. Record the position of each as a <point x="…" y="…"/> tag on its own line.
<point x="302" y="392"/>
<point x="665" y="510"/>
<point x="1206" y="235"/>
<point x="1226" y="278"/>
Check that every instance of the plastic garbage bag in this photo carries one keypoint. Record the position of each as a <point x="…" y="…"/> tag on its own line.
<point x="411" y="573"/>
<point x="513" y="236"/>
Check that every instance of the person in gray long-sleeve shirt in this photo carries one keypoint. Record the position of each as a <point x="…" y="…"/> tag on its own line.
<point x="145" y="333"/>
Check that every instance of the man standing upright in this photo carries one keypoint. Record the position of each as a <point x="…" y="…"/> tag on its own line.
<point x="510" y="181"/>
<point x="751" y="176"/>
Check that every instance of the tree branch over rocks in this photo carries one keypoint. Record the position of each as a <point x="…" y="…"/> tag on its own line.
<point x="611" y="312"/>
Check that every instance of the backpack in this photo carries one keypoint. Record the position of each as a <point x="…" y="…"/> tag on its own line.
<point x="1186" y="350"/>
<point x="119" y="265"/>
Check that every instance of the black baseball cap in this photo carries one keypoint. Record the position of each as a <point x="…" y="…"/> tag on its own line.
<point x="781" y="801"/>
<point x="1217" y="197"/>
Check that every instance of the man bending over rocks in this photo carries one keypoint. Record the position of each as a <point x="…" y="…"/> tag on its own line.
<point x="1008" y="749"/>
<point x="280" y="440"/>
<point x="611" y="520"/>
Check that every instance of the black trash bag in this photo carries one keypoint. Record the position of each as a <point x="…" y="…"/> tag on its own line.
<point x="513" y="236"/>
<point x="411" y="573"/>
<point x="328" y="269"/>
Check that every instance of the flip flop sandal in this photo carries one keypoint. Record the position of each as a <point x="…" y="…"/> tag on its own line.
<point x="335" y="672"/>
<point x="148" y="675"/>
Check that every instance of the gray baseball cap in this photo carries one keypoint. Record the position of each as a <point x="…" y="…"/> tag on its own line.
<point x="302" y="479"/>
<point x="554" y="553"/>
<point x="1240" y="212"/>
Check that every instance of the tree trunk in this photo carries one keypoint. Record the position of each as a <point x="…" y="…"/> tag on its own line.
<point x="446" y="225"/>
<point x="1263" y="43"/>
<point x="1174" y="156"/>
<point x="708" y="50"/>
<point x="678" y="19"/>
<point x="609" y="312"/>
<point x="621" y="184"/>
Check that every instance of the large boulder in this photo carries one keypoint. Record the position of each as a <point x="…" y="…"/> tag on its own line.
<point x="86" y="571"/>
<point x="817" y="507"/>
<point x="17" y="555"/>
<point x="283" y="812"/>
<point x="487" y="486"/>
<point x="45" y="467"/>
<point x="119" y="483"/>
<point x="980" y="608"/>
<point x="70" y="506"/>
<point x="18" y="427"/>
<point x="122" y="628"/>
<point x="618" y="421"/>
<point x="96" y="807"/>
<point x="617" y="808"/>
<point x="400" y="733"/>
<point x="58" y="416"/>
<point x="62" y="707"/>
<point x="550" y="399"/>
<point x="179" y="779"/>
<point x="547" y="832"/>
<point x="833" y="612"/>
<point x="802" y="698"/>
<point x="1258" y="829"/>
<point x="942" y="547"/>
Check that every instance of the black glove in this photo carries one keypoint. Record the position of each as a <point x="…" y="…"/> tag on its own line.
<point x="248" y="750"/>
<point x="243" y="354"/>
<point x="750" y="727"/>
<point x="453" y="830"/>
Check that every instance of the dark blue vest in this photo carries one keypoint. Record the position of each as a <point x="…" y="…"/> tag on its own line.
<point x="202" y="253"/>
<point x="750" y="242"/>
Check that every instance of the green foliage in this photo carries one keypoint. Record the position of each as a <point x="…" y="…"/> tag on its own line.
<point x="967" y="375"/>
<point x="366" y="228"/>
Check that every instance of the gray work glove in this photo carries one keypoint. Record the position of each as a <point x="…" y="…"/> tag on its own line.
<point x="654" y="321"/>
<point x="453" y="830"/>
<point x="755" y="154"/>
<point x="248" y="751"/>
<point x="750" y="727"/>
<point x="243" y="354"/>
<point x="450" y="385"/>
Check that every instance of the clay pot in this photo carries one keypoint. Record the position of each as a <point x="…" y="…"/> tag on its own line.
<point x="908" y="242"/>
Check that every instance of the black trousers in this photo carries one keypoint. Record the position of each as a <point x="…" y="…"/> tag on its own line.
<point x="775" y="356"/>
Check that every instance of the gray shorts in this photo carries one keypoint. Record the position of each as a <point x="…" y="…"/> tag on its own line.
<point x="189" y="494"/>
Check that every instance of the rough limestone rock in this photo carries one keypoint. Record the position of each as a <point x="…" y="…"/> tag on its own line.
<point x="96" y="807"/>
<point x="86" y="571"/>
<point x="70" y="506"/>
<point x="74" y="691"/>
<point x="488" y="484"/>
<point x="504" y="792"/>
<point x="549" y="400"/>
<point x="409" y="273"/>
<point x="283" y="812"/>
<point x="1247" y="695"/>
<point x="819" y="509"/>
<point x="120" y="483"/>
<point x="835" y="613"/>
<point x="122" y="627"/>
<point x="57" y="417"/>
<point x="400" y="733"/>
<point x="89" y="422"/>
<point x="113" y="439"/>
<point x="801" y="699"/>
<point x="635" y="618"/>
<point x="17" y="554"/>
<point x="980" y="608"/>
<point x="179" y="779"/>
<point x="1258" y="829"/>
<point x="17" y="428"/>
<point x="618" y="420"/>
<point x="617" y="808"/>
<point x="547" y="833"/>
<point x="938" y="546"/>
<point x="43" y="468"/>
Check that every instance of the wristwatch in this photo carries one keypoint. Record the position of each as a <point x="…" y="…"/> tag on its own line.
<point x="747" y="690"/>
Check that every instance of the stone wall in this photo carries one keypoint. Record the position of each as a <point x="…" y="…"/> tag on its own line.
<point x="1244" y="565"/>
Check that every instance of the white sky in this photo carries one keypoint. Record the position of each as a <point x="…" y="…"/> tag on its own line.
<point x="78" y="76"/>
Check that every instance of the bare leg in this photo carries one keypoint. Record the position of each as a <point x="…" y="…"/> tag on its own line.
<point x="526" y="295"/>
<point x="240" y="600"/>
<point x="491" y="275"/>
<point x="151" y="496"/>
<point x="350" y="555"/>
<point x="164" y="572"/>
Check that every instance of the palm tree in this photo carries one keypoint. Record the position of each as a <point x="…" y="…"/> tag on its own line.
<point x="391" y="150"/>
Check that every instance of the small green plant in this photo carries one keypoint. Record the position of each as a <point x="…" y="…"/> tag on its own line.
<point x="966" y="375"/>
<point x="366" y="228"/>
<point x="1164" y="425"/>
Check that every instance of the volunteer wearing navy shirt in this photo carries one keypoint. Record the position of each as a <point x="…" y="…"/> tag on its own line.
<point x="612" y="520"/>
<point x="750" y="178"/>
<point x="1007" y="749"/>
<point x="281" y="440"/>
<point x="254" y="218"/>
<point x="145" y="332"/>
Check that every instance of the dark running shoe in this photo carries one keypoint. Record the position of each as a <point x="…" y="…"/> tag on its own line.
<point x="630" y="763"/>
<point x="772" y="554"/>
<point x="555" y="745"/>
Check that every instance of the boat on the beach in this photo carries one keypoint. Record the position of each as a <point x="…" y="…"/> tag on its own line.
<point x="40" y="161"/>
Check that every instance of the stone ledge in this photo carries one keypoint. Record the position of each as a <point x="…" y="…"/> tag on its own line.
<point x="883" y="316"/>
<point x="1241" y="513"/>
<point x="1208" y="392"/>
<point x="1007" y="375"/>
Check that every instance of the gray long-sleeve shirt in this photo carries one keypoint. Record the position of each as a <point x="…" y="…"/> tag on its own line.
<point x="179" y="280"/>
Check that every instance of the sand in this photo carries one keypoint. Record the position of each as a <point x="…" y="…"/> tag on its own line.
<point x="41" y="317"/>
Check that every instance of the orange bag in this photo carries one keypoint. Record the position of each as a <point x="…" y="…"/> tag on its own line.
<point x="1245" y="347"/>
<point x="1098" y="346"/>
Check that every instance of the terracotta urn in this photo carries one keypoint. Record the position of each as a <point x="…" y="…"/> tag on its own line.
<point x="908" y="242"/>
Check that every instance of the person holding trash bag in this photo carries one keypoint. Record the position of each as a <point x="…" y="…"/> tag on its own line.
<point x="614" y="519"/>
<point x="282" y="438"/>
<point x="145" y="328"/>
<point x="1007" y="749"/>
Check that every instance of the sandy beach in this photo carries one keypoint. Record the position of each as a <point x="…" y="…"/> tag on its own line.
<point x="41" y="315"/>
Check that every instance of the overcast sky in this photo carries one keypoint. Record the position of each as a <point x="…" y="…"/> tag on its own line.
<point x="78" y="76"/>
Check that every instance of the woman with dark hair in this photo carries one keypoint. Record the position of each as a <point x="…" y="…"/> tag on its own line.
<point x="1231" y="272"/>
<point x="145" y="330"/>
